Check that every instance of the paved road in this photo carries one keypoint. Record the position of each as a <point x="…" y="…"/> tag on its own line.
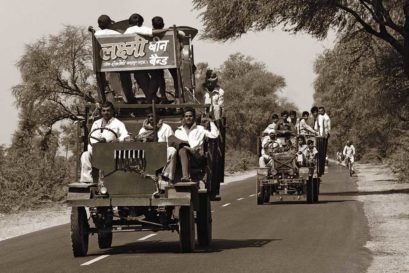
<point x="290" y="237"/>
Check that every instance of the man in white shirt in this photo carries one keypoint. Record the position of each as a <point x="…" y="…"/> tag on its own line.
<point x="104" y="22"/>
<point x="272" y="126"/>
<point x="303" y="127"/>
<point x="106" y="129"/>
<point x="349" y="153"/>
<point x="164" y="131"/>
<point x="136" y="27"/>
<point x="191" y="137"/>
<point x="318" y="121"/>
<point x="268" y="145"/>
<point x="214" y="95"/>
<point x="326" y="122"/>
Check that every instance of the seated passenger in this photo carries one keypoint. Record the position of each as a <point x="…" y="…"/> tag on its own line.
<point x="272" y="125"/>
<point x="107" y="121"/>
<point x="104" y="23"/>
<point x="190" y="137"/>
<point x="311" y="154"/>
<point x="269" y="146"/>
<point x="293" y="118"/>
<point x="304" y="128"/>
<point x="284" y="126"/>
<point x="302" y="147"/>
<point x="164" y="131"/>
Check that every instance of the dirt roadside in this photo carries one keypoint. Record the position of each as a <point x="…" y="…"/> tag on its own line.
<point x="386" y="206"/>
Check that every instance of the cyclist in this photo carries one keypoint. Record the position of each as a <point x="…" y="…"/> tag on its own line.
<point x="349" y="153"/>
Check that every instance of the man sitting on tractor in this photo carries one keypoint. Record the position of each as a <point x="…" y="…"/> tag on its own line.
<point x="272" y="125"/>
<point x="164" y="132"/>
<point x="106" y="129"/>
<point x="190" y="138"/>
<point x="146" y="133"/>
<point x="269" y="145"/>
<point x="310" y="153"/>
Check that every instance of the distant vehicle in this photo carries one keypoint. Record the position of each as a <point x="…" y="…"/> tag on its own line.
<point x="125" y="195"/>
<point x="285" y="179"/>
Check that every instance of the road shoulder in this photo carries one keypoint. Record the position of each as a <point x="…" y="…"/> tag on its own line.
<point x="386" y="206"/>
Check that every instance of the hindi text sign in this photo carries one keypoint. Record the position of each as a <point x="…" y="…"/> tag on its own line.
<point x="135" y="52"/>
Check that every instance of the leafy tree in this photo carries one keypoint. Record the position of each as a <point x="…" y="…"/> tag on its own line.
<point x="56" y="76"/>
<point x="363" y="86"/>
<point x="386" y="20"/>
<point x="250" y="99"/>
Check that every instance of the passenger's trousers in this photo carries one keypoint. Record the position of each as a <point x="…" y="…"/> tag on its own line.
<point x="170" y="167"/>
<point x="86" y="167"/>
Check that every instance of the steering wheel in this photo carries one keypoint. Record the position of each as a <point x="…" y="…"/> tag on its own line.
<point x="90" y="136"/>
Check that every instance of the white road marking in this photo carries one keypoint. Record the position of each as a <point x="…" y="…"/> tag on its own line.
<point x="147" y="237"/>
<point x="239" y="199"/>
<point x="251" y="195"/>
<point x="95" y="260"/>
<point x="225" y="205"/>
<point x="212" y="211"/>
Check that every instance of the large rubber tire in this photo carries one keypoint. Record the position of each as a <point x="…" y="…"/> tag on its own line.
<point x="315" y="189"/>
<point x="259" y="192"/>
<point x="186" y="229"/>
<point x="104" y="239"/>
<point x="204" y="221"/>
<point x="267" y="194"/>
<point x="79" y="231"/>
<point x="309" y="191"/>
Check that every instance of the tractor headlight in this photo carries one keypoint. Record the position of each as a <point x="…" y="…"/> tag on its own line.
<point x="103" y="190"/>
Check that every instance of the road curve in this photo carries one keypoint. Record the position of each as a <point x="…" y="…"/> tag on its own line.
<point x="327" y="237"/>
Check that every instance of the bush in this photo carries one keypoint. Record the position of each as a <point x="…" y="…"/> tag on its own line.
<point x="237" y="161"/>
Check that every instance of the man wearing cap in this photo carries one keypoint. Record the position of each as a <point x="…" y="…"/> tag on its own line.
<point x="104" y="23"/>
<point x="214" y="96"/>
<point x="268" y="146"/>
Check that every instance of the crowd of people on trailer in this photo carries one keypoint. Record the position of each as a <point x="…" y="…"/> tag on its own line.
<point x="290" y="133"/>
<point x="148" y="81"/>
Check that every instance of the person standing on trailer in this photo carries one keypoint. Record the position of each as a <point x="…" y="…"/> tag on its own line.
<point x="214" y="95"/>
<point x="104" y="23"/>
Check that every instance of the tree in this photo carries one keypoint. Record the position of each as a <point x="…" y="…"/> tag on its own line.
<point x="56" y="77"/>
<point x="386" y="20"/>
<point x="250" y="99"/>
<point x="366" y="92"/>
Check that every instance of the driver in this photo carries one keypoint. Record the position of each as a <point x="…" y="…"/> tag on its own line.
<point x="106" y="129"/>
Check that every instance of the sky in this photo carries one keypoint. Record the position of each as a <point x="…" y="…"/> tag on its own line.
<point x="289" y="55"/>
